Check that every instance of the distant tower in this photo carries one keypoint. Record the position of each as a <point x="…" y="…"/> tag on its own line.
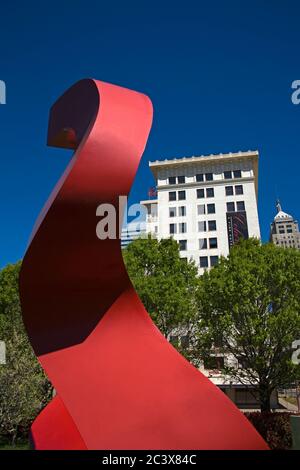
<point x="284" y="229"/>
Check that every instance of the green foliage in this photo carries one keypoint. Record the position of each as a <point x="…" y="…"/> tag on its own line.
<point x="165" y="283"/>
<point x="24" y="389"/>
<point x="275" y="428"/>
<point x="250" y="306"/>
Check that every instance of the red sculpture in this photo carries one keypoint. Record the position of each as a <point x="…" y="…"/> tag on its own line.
<point x="119" y="383"/>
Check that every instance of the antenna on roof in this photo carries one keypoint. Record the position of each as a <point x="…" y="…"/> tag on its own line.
<point x="278" y="205"/>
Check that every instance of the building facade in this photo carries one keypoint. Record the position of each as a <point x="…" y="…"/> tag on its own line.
<point x="205" y="203"/>
<point x="284" y="230"/>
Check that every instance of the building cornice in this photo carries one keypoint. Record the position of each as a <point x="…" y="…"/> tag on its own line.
<point x="208" y="159"/>
<point x="204" y="184"/>
<point x="149" y="201"/>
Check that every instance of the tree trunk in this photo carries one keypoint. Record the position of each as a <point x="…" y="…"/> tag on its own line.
<point x="264" y="398"/>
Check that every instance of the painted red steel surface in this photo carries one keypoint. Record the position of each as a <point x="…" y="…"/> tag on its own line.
<point x="119" y="383"/>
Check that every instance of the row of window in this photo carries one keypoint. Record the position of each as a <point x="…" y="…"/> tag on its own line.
<point x="213" y="260"/>
<point x="203" y="226"/>
<point x="232" y="206"/>
<point x="208" y="191"/>
<point x="200" y="177"/>
<point x="206" y="209"/>
<point x="176" y="179"/>
<point x="291" y="243"/>
<point x="180" y="211"/>
<point x="237" y="188"/>
<point x="205" y="192"/>
<point x="204" y="261"/>
<point x="179" y="195"/>
<point x="211" y="243"/>
<point x="288" y="228"/>
<point x="209" y="209"/>
<point x="228" y="175"/>
<point x="204" y="243"/>
<point x="218" y="363"/>
<point x="201" y="208"/>
<point x="181" y="227"/>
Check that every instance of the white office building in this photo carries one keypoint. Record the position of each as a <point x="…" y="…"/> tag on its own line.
<point x="206" y="203"/>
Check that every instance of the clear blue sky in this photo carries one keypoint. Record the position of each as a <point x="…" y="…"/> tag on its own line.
<point x="219" y="74"/>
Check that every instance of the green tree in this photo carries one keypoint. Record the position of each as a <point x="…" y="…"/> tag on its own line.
<point x="24" y="388"/>
<point x="249" y="305"/>
<point x="165" y="283"/>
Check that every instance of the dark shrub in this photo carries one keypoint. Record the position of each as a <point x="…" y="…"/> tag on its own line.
<point x="273" y="427"/>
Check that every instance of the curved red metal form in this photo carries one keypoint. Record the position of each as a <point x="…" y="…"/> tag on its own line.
<point x="119" y="383"/>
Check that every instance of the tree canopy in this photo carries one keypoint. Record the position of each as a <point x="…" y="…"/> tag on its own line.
<point x="249" y="306"/>
<point x="165" y="283"/>
<point x="24" y="388"/>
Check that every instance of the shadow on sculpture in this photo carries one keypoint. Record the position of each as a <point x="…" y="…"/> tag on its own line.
<point x="119" y="383"/>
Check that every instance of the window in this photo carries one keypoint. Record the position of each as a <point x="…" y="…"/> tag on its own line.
<point x="212" y="225"/>
<point x="172" y="196"/>
<point x="174" y="340"/>
<point x="184" y="260"/>
<point x="210" y="192"/>
<point x="202" y="244"/>
<point x="211" y="209"/>
<point x="237" y="174"/>
<point x="181" y="195"/>
<point x="214" y="362"/>
<point x="203" y="262"/>
<point x="200" y="193"/>
<point x="240" y="205"/>
<point x="181" y="179"/>
<point x="244" y="397"/>
<point x="201" y="209"/>
<point x="155" y="229"/>
<point x="182" y="245"/>
<point x="214" y="261"/>
<point x="172" y="229"/>
<point x="239" y="189"/>
<point x="242" y="362"/>
<point x="209" y="176"/>
<point x="229" y="190"/>
<point x="227" y="175"/>
<point x="172" y="211"/>
<point x="182" y="227"/>
<point x="199" y="177"/>
<point x="184" y="341"/>
<point x="182" y="211"/>
<point x="281" y="230"/>
<point x="153" y="212"/>
<point x="202" y="226"/>
<point x="289" y="230"/>
<point x="230" y="206"/>
<point x="218" y="341"/>
<point x="213" y="243"/>
<point x="172" y="180"/>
